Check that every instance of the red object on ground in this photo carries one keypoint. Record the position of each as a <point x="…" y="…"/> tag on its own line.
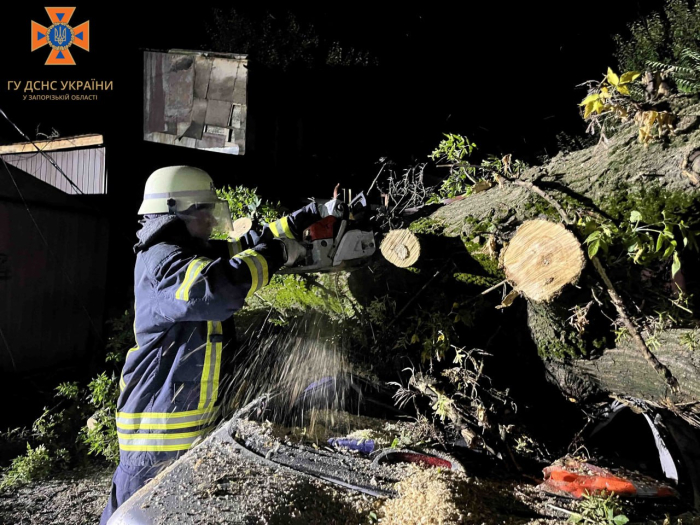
<point x="322" y="229"/>
<point x="422" y="459"/>
<point x="573" y="478"/>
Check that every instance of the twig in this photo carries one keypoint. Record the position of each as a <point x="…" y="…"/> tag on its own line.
<point x="660" y="368"/>
<point x="569" y="512"/>
<point x="495" y="286"/>
<point x="539" y="191"/>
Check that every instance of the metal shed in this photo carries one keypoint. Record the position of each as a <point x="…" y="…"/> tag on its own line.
<point x="81" y="158"/>
<point x="53" y="260"/>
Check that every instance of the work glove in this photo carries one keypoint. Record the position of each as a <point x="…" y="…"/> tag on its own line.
<point x="294" y="251"/>
<point x="334" y="207"/>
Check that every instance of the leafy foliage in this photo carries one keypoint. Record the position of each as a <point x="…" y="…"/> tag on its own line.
<point x="644" y="243"/>
<point x="465" y="178"/>
<point x="454" y="150"/>
<point x="685" y="73"/>
<point x="599" y="509"/>
<point x="245" y="202"/>
<point x="82" y="421"/>
<point x="100" y="432"/>
<point x="660" y="36"/>
<point x="608" y="102"/>
<point x="37" y="463"/>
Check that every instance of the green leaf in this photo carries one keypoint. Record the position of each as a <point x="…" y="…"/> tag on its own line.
<point x="575" y="518"/>
<point x="671" y="249"/>
<point x="620" y="519"/>
<point x="592" y="237"/>
<point x="660" y="243"/>
<point x="676" y="267"/>
<point x="635" y="216"/>
<point x="593" y="248"/>
<point x="623" y="90"/>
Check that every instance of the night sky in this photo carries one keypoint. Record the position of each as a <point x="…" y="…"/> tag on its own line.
<point x="502" y="74"/>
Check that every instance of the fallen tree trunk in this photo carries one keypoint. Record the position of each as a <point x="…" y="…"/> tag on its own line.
<point x="623" y="370"/>
<point x="607" y="181"/>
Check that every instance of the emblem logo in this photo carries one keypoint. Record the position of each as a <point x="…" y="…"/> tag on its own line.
<point x="60" y="36"/>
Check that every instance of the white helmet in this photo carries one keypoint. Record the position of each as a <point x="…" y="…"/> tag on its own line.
<point x="184" y="190"/>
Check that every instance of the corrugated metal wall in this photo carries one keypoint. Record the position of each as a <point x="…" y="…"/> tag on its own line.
<point x="53" y="260"/>
<point x="84" y="166"/>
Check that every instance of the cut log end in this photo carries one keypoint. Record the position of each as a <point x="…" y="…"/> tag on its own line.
<point x="401" y="248"/>
<point x="241" y="227"/>
<point x="542" y="258"/>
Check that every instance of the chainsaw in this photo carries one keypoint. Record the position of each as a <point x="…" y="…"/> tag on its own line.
<point x="334" y="244"/>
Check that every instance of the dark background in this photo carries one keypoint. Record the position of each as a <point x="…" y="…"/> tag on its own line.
<point x="504" y="74"/>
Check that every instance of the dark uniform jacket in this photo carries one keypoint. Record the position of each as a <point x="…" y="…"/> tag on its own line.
<point x="184" y="291"/>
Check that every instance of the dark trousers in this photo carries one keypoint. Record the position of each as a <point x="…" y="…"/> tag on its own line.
<point x="127" y="480"/>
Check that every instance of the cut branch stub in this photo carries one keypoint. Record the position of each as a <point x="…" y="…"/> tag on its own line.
<point x="401" y="248"/>
<point x="542" y="258"/>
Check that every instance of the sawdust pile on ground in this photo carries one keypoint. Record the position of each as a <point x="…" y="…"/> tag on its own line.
<point x="426" y="498"/>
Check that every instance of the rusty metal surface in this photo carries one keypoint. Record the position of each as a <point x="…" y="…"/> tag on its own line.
<point x="84" y="166"/>
<point x="218" y="113"/>
<point x="187" y="92"/>
<point x="202" y="70"/>
<point x="53" y="260"/>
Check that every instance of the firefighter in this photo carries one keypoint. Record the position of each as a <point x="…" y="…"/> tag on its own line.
<point x="184" y="292"/>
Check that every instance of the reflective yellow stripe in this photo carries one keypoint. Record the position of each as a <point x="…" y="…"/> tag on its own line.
<point x="175" y="435"/>
<point x="122" y="383"/>
<point x="190" y="267"/>
<point x="212" y="363"/>
<point x="217" y="372"/>
<point x="259" y="271"/>
<point x="285" y="226"/>
<point x="265" y="272"/>
<point x="193" y="271"/>
<point x="163" y="415"/>
<point x="155" y="448"/>
<point x="234" y="246"/>
<point x="163" y="426"/>
<point x="253" y="274"/>
<point x="205" y="370"/>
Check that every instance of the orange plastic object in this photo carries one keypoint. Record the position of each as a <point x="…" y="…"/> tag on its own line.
<point x="574" y="478"/>
<point x="322" y="229"/>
